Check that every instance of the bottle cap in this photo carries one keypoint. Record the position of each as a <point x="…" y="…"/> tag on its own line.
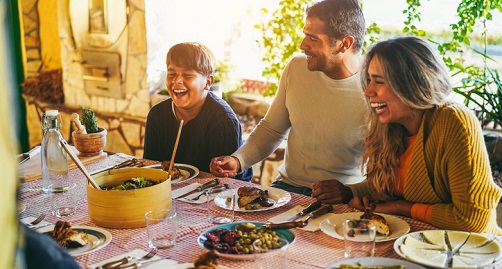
<point x="51" y="113"/>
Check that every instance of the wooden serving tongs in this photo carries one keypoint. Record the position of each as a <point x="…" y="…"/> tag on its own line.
<point x="169" y="172"/>
<point x="77" y="161"/>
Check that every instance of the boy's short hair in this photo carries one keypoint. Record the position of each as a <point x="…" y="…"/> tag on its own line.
<point x="192" y="55"/>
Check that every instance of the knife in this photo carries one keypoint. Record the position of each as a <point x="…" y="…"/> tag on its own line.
<point x="319" y="212"/>
<point x="206" y="185"/>
<point x="137" y="264"/>
<point x="313" y="206"/>
<point x="28" y="155"/>
<point x="302" y="223"/>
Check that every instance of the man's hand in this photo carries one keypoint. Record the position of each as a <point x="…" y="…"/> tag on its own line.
<point x="224" y="166"/>
<point x="331" y="192"/>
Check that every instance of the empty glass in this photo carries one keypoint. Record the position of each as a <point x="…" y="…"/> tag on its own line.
<point x="161" y="226"/>
<point x="226" y="197"/>
<point x="63" y="201"/>
<point x="359" y="241"/>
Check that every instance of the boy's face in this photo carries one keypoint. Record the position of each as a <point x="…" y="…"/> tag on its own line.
<point x="187" y="87"/>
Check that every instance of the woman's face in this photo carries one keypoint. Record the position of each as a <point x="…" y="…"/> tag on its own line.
<point x="186" y="87"/>
<point x="385" y="104"/>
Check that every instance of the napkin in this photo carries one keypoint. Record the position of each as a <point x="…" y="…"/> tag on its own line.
<point x="186" y="189"/>
<point x="43" y="223"/>
<point x="313" y="223"/>
<point x="164" y="263"/>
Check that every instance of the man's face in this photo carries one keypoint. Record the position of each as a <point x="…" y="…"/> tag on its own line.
<point x="186" y="87"/>
<point x="321" y="54"/>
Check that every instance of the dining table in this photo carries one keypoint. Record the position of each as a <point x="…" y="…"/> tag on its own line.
<point x="310" y="249"/>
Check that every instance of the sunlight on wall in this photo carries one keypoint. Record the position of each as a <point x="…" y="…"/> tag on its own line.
<point x="226" y="27"/>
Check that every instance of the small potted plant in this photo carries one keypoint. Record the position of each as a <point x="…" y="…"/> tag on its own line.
<point x="88" y="138"/>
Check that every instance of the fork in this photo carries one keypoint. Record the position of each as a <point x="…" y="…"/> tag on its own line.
<point x="128" y="259"/>
<point x="203" y="193"/>
<point x="37" y="220"/>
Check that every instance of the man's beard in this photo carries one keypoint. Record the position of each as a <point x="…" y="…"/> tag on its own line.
<point x="316" y="64"/>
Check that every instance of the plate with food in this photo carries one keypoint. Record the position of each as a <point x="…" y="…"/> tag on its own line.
<point x="449" y="249"/>
<point x="379" y="262"/>
<point x="180" y="171"/>
<point x="388" y="227"/>
<point x="256" y="199"/>
<point x="78" y="240"/>
<point x="235" y="240"/>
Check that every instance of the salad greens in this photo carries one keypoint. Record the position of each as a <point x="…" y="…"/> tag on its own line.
<point x="132" y="184"/>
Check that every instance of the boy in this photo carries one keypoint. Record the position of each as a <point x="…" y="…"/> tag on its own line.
<point x="210" y="129"/>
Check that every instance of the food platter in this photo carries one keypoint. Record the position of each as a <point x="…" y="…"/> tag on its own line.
<point x="444" y="249"/>
<point x="277" y="196"/>
<point x="187" y="171"/>
<point x="375" y="261"/>
<point x="332" y="226"/>
<point x="283" y="233"/>
<point x="98" y="239"/>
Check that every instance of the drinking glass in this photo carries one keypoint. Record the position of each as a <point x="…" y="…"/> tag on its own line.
<point x="63" y="201"/>
<point x="359" y="241"/>
<point x="161" y="226"/>
<point x="216" y="214"/>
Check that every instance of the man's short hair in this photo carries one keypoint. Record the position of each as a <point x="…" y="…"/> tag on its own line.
<point x="341" y="18"/>
<point x="193" y="56"/>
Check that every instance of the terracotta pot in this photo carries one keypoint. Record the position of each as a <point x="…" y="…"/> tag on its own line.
<point x="90" y="144"/>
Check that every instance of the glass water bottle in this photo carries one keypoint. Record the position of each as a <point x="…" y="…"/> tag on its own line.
<point x="54" y="157"/>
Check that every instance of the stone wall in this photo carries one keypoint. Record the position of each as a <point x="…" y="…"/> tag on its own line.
<point x="130" y="43"/>
<point x="51" y="43"/>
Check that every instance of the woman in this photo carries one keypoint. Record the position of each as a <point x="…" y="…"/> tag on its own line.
<point x="425" y="155"/>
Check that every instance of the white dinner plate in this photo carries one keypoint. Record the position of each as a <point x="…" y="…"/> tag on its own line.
<point x="419" y="236"/>
<point x="332" y="226"/>
<point x="279" y="197"/>
<point x="187" y="171"/>
<point x="375" y="261"/>
<point x="98" y="239"/>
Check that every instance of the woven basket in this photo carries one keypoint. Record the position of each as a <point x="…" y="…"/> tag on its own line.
<point x="127" y="208"/>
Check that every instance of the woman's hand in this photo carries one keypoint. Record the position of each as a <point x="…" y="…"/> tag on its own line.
<point x="224" y="166"/>
<point x="398" y="207"/>
<point x="331" y="192"/>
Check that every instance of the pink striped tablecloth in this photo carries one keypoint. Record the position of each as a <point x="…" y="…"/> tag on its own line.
<point x="310" y="249"/>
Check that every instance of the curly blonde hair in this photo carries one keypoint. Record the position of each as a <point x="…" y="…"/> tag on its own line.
<point x="419" y="78"/>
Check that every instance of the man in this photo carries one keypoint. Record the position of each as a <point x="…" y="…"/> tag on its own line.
<point x="319" y="107"/>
